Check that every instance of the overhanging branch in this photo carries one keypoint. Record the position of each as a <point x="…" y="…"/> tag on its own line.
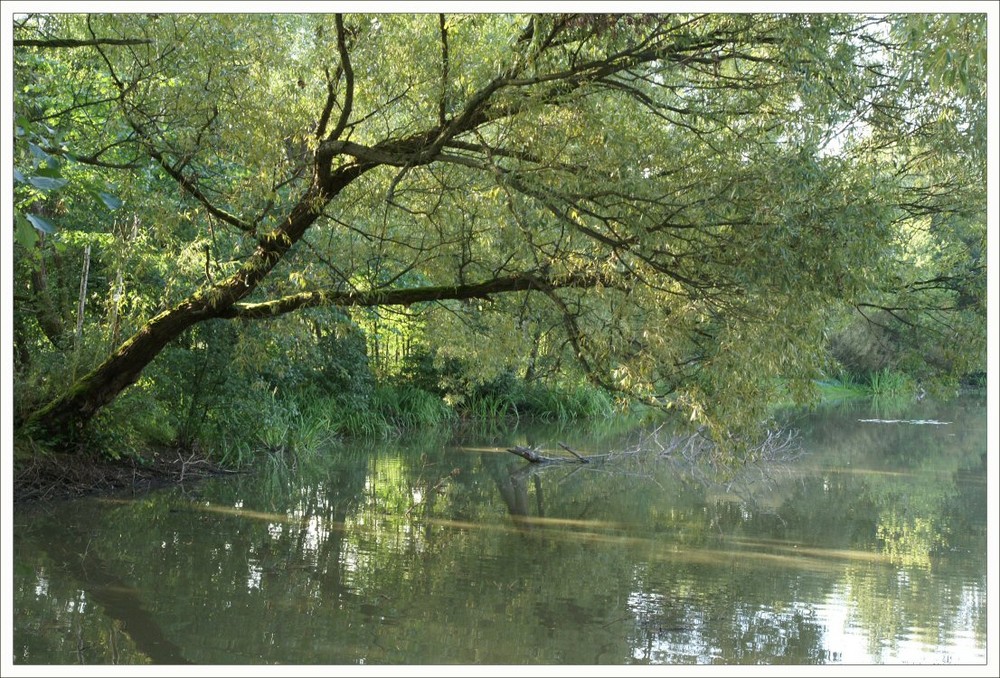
<point x="408" y="296"/>
<point x="66" y="43"/>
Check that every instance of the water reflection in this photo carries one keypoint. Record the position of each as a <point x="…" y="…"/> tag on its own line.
<point x="870" y="548"/>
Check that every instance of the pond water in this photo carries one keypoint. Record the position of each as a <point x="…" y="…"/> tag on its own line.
<point x="869" y="548"/>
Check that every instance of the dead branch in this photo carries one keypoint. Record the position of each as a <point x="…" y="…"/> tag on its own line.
<point x="583" y="460"/>
<point x="529" y="453"/>
<point x="532" y="454"/>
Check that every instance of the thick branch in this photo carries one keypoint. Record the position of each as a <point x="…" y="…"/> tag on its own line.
<point x="422" y="149"/>
<point x="532" y="455"/>
<point x="345" y="63"/>
<point x="489" y="151"/>
<point x="528" y="453"/>
<point x="66" y="43"/>
<point x="331" y="99"/>
<point x="408" y="296"/>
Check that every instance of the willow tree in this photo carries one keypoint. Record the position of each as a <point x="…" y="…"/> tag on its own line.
<point x="685" y="196"/>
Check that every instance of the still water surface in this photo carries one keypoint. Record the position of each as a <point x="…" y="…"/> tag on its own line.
<point x="870" y="548"/>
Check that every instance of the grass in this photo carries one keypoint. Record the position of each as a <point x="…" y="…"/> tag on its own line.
<point x="491" y="408"/>
<point x="842" y="387"/>
<point x="889" y="384"/>
<point x="260" y="423"/>
<point x="887" y="387"/>
<point x="407" y="406"/>
<point x="568" y="404"/>
<point x="836" y="389"/>
<point x="539" y="402"/>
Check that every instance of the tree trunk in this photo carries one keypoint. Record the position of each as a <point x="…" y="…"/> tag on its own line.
<point x="47" y="311"/>
<point x="116" y="302"/>
<point x="82" y="303"/>
<point x="62" y="420"/>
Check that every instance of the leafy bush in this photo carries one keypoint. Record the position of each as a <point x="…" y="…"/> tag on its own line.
<point x="343" y="370"/>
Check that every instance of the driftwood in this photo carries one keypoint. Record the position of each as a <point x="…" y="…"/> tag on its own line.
<point x="583" y="460"/>
<point x="532" y="455"/>
<point x="774" y="446"/>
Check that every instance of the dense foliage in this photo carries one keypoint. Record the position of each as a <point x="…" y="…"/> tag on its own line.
<point x="221" y="217"/>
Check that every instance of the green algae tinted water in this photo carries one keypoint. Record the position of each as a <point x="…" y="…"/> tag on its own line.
<point x="869" y="548"/>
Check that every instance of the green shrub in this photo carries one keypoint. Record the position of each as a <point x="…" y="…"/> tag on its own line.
<point x="343" y="370"/>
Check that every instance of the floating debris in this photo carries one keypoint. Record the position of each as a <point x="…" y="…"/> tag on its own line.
<point x="932" y="422"/>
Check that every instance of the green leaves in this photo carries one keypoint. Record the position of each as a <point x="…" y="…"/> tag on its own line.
<point x="41" y="224"/>
<point x="112" y="202"/>
<point x="47" y="183"/>
<point x="685" y="162"/>
<point x="25" y="234"/>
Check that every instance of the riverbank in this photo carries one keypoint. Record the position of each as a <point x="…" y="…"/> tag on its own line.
<point x="287" y="427"/>
<point x="48" y="476"/>
<point x="56" y="477"/>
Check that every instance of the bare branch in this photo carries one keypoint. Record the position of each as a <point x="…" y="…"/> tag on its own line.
<point x="191" y="187"/>
<point x="74" y="107"/>
<point x="93" y="159"/>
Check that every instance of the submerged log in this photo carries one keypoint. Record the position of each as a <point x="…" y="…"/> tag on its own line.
<point x="532" y="455"/>
<point x="583" y="460"/>
<point x="527" y="453"/>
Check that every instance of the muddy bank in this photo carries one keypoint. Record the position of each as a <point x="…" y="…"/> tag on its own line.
<point x="53" y="477"/>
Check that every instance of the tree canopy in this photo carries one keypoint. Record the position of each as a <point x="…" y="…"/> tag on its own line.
<point x="682" y="207"/>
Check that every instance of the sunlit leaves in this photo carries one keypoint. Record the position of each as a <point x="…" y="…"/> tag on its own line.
<point x="729" y="179"/>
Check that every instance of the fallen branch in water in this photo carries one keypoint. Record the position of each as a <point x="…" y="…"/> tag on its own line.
<point x="528" y="453"/>
<point x="532" y="455"/>
<point x="573" y="452"/>
<point x="775" y="445"/>
<point x="696" y="449"/>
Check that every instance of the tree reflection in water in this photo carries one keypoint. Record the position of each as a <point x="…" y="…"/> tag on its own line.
<point x="868" y="548"/>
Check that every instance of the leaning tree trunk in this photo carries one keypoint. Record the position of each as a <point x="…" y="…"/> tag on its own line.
<point x="61" y="421"/>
